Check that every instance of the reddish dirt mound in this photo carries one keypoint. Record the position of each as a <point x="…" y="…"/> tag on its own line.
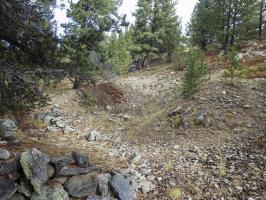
<point x="109" y="94"/>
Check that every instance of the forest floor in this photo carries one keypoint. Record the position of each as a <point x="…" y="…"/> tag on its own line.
<point x="210" y="146"/>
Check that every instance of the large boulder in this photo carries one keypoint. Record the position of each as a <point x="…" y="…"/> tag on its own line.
<point x="122" y="187"/>
<point x="55" y="192"/>
<point x="35" y="164"/>
<point x="7" y="188"/>
<point x="7" y="129"/>
<point x="81" y="185"/>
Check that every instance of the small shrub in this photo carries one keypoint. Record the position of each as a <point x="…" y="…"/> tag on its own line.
<point x="89" y="99"/>
<point x="194" y="73"/>
<point x="234" y="68"/>
<point x="179" y="59"/>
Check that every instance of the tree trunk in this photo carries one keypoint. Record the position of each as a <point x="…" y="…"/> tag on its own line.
<point x="228" y="24"/>
<point x="262" y="7"/>
<point x="232" y="40"/>
<point x="145" y="61"/>
<point x="77" y="83"/>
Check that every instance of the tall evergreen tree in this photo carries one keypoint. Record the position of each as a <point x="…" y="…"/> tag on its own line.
<point x="225" y="22"/>
<point x="90" y="19"/>
<point x="143" y="35"/>
<point x="171" y="28"/>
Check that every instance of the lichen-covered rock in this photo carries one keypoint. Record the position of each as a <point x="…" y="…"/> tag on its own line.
<point x="122" y="188"/>
<point x="81" y="185"/>
<point x="7" y="188"/>
<point x="34" y="164"/>
<point x="55" y="192"/>
<point x="7" y="129"/>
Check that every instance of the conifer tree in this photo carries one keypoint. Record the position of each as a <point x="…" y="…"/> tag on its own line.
<point x="143" y="36"/>
<point x="224" y="22"/>
<point x="172" y="28"/>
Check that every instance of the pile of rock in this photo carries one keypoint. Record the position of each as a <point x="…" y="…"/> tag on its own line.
<point x="54" y="121"/>
<point x="37" y="176"/>
<point x="185" y="118"/>
<point x="7" y="130"/>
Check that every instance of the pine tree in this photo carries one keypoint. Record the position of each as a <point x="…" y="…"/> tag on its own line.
<point x="171" y="28"/>
<point x="90" y="19"/>
<point x="224" y="22"/>
<point x="117" y="52"/>
<point x="143" y="36"/>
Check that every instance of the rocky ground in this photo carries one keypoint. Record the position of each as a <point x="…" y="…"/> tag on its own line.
<point x="211" y="146"/>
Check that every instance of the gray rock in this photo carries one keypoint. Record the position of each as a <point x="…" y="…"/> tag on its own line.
<point x="7" y="129"/>
<point x="68" y="129"/>
<point x="122" y="188"/>
<point x="18" y="196"/>
<point x="72" y="171"/>
<point x="55" y="192"/>
<point x="258" y="53"/>
<point x="50" y="171"/>
<point x="103" y="185"/>
<point x="136" y="160"/>
<point x="34" y="164"/>
<point x="132" y="68"/>
<point x="7" y="188"/>
<point x="61" y="161"/>
<point x="53" y="128"/>
<point x="145" y="186"/>
<point x="60" y="124"/>
<point x="93" y="136"/>
<point x="4" y="154"/>
<point x="81" y="160"/>
<point x="81" y="185"/>
<point x="60" y="179"/>
<point x="10" y="166"/>
<point x="94" y="197"/>
<point x="203" y="119"/>
<point x="47" y="118"/>
<point x="25" y="188"/>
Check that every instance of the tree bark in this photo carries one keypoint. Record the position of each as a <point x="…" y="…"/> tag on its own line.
<point x="233" y="34"/>
<point x="228" y="25"/>
<point x="262" y="7"/>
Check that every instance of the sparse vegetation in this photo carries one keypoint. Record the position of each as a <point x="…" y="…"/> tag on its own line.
<point x="195" y="73"/>
<point x="234" y="68"/>
<point x="140" y="98"/>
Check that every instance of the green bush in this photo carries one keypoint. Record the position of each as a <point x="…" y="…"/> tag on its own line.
<point x="195" y="72"/>
<point x="234" y="68"/>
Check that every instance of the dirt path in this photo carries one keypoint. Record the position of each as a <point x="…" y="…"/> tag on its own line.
<point x="171" y="157"/>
